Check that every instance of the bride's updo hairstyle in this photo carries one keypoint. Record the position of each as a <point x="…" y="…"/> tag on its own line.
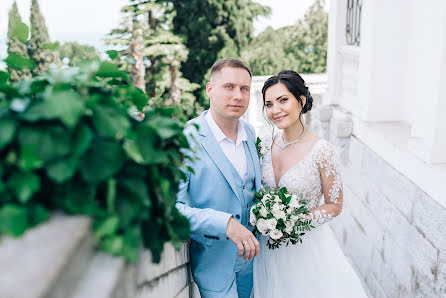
<point x="295" y="84"/>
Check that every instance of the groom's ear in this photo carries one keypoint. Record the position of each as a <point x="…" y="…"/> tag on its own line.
<point x="208" y="89"/>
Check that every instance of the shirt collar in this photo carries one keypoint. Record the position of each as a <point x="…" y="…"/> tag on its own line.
<point x="218" y="133"/>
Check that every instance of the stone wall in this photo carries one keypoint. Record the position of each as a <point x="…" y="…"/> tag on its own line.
<point x="393" y="232"/>
<point x="59" y="259"/>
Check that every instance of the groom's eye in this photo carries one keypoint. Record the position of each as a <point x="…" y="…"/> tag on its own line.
<point x="228" y="87"/>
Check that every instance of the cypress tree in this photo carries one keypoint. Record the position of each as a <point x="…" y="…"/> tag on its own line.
<point x="16" y="46"/>
<point x="39" y="37"/>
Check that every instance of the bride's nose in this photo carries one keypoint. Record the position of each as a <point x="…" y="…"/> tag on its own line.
<point x="276" y="109"/>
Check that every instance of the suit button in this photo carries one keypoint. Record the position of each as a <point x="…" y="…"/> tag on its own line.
<point x="243" y="187"/>
<point x="237" y="216"/>
<point x="247" y="206"/>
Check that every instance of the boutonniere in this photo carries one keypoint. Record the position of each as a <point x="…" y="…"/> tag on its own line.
<point x="261" y="149"/>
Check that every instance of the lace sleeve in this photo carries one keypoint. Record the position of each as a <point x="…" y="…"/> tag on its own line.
<point x="329" y="168"/>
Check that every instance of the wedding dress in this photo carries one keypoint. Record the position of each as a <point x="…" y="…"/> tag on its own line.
<point x="317" y="267"/>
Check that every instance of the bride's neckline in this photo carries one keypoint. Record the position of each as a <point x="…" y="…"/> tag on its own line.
<point x="277" y="182"/>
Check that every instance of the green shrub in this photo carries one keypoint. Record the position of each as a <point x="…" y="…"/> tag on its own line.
<point x="69" y="141"/>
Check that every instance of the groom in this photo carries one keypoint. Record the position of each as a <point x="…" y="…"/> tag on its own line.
<point x="217" y="197"/>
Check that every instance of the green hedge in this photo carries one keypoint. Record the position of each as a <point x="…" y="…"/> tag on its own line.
<point x="68" y="141"/>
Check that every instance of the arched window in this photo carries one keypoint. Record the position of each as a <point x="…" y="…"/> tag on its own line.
<point x="353" y="22"/>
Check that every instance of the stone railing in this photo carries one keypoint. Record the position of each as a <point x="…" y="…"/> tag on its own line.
<point x="59" y="259"/>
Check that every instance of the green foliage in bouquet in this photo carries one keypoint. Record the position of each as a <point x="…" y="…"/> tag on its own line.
<point x="69" y="141"/>
<point x="281" y="216"/>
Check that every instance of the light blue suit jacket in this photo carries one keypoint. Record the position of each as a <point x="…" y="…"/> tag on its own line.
<point x="208" y="198"/>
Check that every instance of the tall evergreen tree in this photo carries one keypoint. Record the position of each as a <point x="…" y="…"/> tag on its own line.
<point x="211" y="25"/>
<point x="41" y="56"/>
<point x="15" y="45"/>
<point x="153" y="54"/>
<point x="212" y="29"/>
<point x="301" y="47"/>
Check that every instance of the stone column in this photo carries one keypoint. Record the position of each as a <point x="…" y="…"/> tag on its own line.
<point x="320" y="121"/>
<point x="341" y="128"/>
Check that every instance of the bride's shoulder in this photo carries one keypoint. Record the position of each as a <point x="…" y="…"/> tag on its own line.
<point x="324" y="151"/>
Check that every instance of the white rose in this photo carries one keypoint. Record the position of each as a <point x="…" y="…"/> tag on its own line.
<point x="279" y="214"/>
<point x="262" y="226"/>
<point x="294" y="218"/>
<point x="276" y="207"/>
<point x="294" y="203"/>
<point x="263" y="212"/>
<point x="252" y="217"/>
<point x="289" y="211"/>
<point x="275" y="234"/>
<point x="272" y="222"/>
<point x="263" y="150"/>
<point x="289" y="227"/>
<point x="277" y="199"/>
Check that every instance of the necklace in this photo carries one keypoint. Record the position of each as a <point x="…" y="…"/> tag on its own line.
<point x="285" y="144"/>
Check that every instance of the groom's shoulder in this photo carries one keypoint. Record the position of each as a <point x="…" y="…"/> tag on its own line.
<point x="192" y="126"/>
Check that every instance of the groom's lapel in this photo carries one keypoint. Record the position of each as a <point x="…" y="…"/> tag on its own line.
<point x="212" y="147"/>
<point x="255" y="158"/>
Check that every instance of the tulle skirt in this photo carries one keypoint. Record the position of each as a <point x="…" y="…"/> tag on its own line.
<point x="315" y="268"/>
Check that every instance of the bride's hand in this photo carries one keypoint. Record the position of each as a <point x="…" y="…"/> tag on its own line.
<point x="243" y="238"/>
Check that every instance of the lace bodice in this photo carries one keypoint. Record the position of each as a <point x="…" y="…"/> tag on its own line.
<point x="317" y="175"/>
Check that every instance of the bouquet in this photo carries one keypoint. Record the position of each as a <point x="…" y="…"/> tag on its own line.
<point x="281" y="216"/>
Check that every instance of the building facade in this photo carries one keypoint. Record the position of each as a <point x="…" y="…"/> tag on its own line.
<point x="383" y="108"/>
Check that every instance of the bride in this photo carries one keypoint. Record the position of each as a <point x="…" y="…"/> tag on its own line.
<point x="306" y="165"/>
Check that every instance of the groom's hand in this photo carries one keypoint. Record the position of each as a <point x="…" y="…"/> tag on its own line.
<point x="243" y="238"/>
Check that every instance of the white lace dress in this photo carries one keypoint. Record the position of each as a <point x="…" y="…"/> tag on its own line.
<point x="317" y="267"/>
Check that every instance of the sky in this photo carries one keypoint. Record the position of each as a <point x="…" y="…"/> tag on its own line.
<point x="88" y="21"/>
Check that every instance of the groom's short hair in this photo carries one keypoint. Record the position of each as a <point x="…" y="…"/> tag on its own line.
<point x="228" y="62"/>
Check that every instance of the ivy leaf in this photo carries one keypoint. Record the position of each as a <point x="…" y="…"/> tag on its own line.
<point x="52" y="46"/>
<point x="106" y="227"/>
<point x="165" y="127"/>
<point x="63" y="169"/>
<point x="131" y="149"/>
<point x="4" y="77"/>
<point x="132" y="244"/>
<point x="13" y="220"/>
<point x="65" y="105"/>
<point x="139" y="98"/>
<point x="21" y="32"/>
<point x="109" y="70"/>
<point x="109" y="121"/>
<point x="113" y="54"/>
<point x="82" y="140"/>
<point x="112" y="244"/>
<point x="17" y="61"/>
<point x="7" y="131"/>
<point x="35" y="111"/>
<point x="24" y="185"/>
<point x="49" y="142"/>
<point x="37" y="214"/>
<point x="28" y="158"/>
<point x="76" y="197"/>
<point x="102" y="160"/>
<point x="147" y="140"/>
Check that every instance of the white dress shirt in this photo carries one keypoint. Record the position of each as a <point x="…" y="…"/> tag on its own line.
<point x="235" y="152"/>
